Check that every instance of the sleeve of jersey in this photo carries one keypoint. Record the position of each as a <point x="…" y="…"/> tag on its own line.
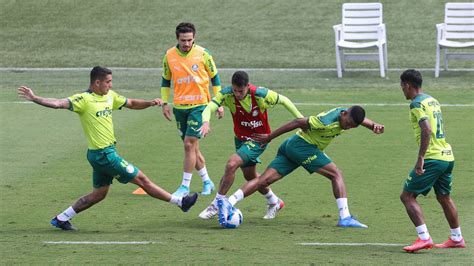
<point x="165" y="81"/>
<point x="289" y="105"/>
<point x="212" y="71"/>
<point x="210" y="108"/>
<point x="119" y="100"/>
<point x="314" y="123"/>
<point x="76" y="103"/>
<point x="417" y="110"/>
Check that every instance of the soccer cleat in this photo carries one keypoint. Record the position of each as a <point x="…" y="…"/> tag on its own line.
<point x="224" y="210"/>
<point x="66" y="225"/>
<point x="419" y="244"/>
<point x="188" y="201"/>
<point x="350" y="221"/>
<point x="181" y="191"/>
<point x="451" y="244"/>
<point x="207" y="187"/>
<point x="209" y="212"/>
<point x="273" y="209"/>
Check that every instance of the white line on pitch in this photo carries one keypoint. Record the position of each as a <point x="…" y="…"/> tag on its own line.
<point x="350" y="244"/>
<point x="154" y="69"/>
<point x="100" y="242"/>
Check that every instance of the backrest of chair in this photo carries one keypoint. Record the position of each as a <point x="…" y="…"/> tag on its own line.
<point x="361" y="20"/>
<point x="459" y="21"/>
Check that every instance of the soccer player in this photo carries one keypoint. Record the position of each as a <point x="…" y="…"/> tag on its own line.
<point x="248" y="105"/>
<point x="95" y="107"/>
<point x="305" y="149"/>
<point x="190" y="66"/>
<point x="433" y="167"/>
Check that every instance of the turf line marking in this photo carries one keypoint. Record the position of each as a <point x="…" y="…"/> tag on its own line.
<point x="100" y="242"/>
<point x="326" y="104"/>
<point x="351" y="244"/>
<point x="154" y="69"/>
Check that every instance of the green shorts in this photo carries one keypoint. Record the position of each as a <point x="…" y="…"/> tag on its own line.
<point x="107" y="165"/>
<point x="249" y="151"/>
<point x="437" y="175"/>
<point x="295" y="152"/>
<point x="189" y="121"/>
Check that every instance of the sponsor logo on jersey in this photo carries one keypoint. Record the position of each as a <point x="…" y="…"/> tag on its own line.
<point x="195" y="67"/>
<point x="189" y="79"/>
<point x="252" y="124"/>
<point x="310" y="159"/>
<point x="104" y="113"/>
<point x="255" y="113"/>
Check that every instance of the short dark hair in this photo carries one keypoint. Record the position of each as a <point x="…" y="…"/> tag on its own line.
<point x="185" y="27"/>
<point x="357" y="114"/>
<point x="240" y="79"/>
<point x="413" y="77"/>
<point x="99" y="73"/>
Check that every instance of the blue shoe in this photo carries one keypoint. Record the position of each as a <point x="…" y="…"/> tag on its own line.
<point x="182" y="191"/>
<point x="224" y="210"/>
<point x="62" y="225"/>
<point x="188" y="201"/>
<point x="350" y="221"/>
<point x="207" y="187"/>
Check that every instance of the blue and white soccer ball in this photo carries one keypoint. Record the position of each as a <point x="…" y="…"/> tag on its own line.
<point x="235" y="219"/>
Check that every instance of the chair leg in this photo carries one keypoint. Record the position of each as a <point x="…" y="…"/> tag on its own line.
<point x="338" y="62"/>
<point x="385" y="56"/>
<point x="381" y="62"/>
<point x="343" y="61"/>
<point x="445" y="51"/>
<point x="437" y="61"/>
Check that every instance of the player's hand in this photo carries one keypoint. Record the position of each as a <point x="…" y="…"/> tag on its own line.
<point x="261" y="138"/>
<point x="220" y="112"/>
<point x="157" y="101"/>
<point x="205" y="128"/>
<point x="378" y="128"/>
<point x="419" y="166"/>
<point x="167" y="111"/>
<point x="26" y="93"/>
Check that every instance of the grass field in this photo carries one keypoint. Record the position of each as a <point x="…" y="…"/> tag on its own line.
<point x="42" y="151"/>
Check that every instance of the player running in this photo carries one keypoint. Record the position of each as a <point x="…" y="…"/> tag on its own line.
<point x="433" y="168"/>
<point x="95" y="107"/>
<point x="248" y="105"/>
<point x="305" y="149"/>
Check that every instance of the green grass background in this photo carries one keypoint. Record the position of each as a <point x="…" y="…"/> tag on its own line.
<point x="44" y="169"/>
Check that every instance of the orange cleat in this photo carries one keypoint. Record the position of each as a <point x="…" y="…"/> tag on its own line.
<point x="451" y="244"/>
<point x="419" y="244"/>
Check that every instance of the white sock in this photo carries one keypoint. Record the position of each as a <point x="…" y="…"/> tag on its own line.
<point x="236" y="197"/>
<point x="176" y="200"/>
<point x="343" y="208"/>
<point x="422" y="231"/>
<point x="456" y="234"/>
<point x="186" y="179"/>
<point x="272" y="199"/>
<point x="203" y="174"/>
<point x="66" y="215"/>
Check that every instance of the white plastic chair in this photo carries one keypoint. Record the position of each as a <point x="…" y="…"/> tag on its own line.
<point x="362" y="27"/>
<point x="457" y="31"/>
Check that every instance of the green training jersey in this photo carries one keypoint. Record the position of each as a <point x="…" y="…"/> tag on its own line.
<point x="424" y="107"/>
<point x="323" y="128"/>
<point x="265" y="99"/>
<point x="95" y="113"/>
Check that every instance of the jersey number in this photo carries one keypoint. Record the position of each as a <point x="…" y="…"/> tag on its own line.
<point x="439" y="124"/>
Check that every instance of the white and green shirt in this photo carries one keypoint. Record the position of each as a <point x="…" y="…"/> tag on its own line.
<point x="95" y="113"/>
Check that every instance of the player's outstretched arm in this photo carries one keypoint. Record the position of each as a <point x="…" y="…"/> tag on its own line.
<point x="296" y="123"/>
<point x="138" y="104"/>
<point x="28" y="95"/>
<point x="375" y="127"/>
<point x="290" y="106"/>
